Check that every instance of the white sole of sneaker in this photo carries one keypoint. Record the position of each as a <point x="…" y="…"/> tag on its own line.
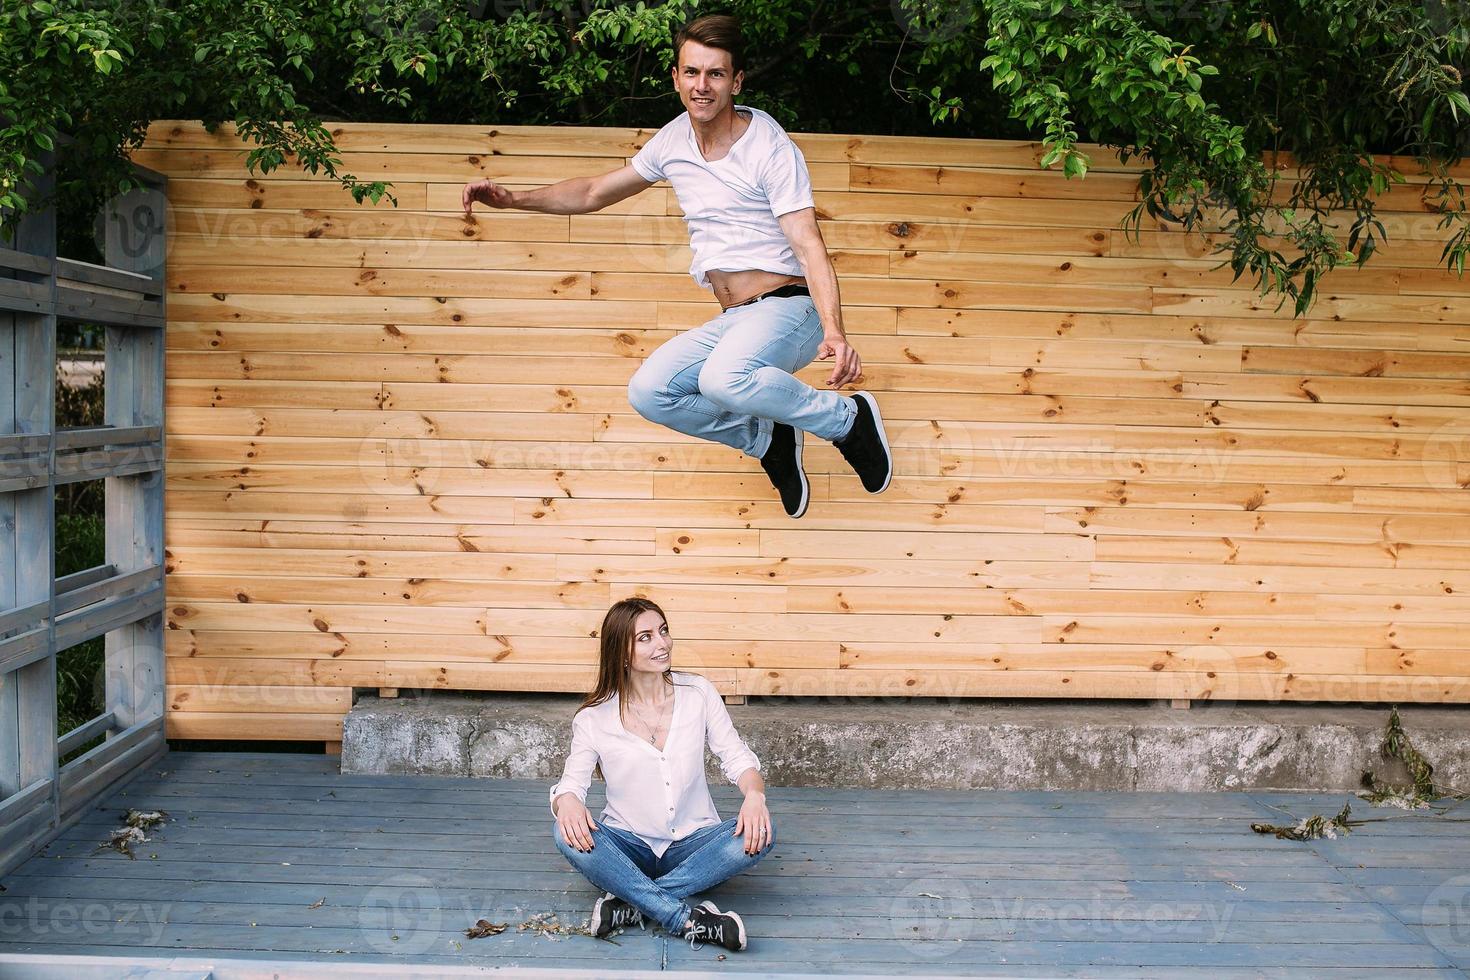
<point x="595" y="922"/>
<point x="740" y="925"/>
<point x="806" y="487"/>
<point x="882" y="436"/>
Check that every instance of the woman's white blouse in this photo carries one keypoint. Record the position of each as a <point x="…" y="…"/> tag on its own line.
<point x="661" y="796"/>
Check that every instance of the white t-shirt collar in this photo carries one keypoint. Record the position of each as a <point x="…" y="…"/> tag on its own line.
<point x="694" y="143"/>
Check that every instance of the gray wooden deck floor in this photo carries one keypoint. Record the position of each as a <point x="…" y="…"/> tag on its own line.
<point x="280" y="857"/>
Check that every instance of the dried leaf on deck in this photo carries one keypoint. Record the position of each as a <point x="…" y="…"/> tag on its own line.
<point x="144" y="819"/>
<point x="485" y="927"/>
<point x="122" y="840"/>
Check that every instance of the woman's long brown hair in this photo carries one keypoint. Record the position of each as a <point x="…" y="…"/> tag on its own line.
<point x="616" y="637"/>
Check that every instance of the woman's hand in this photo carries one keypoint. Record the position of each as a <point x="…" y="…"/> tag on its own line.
<point x="755" y="822"/>
<point x="575" y="822"/>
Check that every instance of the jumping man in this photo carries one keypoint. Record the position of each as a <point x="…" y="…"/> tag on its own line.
<point x="747" y="200"/>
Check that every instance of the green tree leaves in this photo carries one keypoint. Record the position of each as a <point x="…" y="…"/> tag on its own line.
<point x="1205" y="96"/>
<point x="1204" y="88"/>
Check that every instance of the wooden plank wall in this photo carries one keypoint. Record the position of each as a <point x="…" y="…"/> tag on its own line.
<point x="400" y="451"/>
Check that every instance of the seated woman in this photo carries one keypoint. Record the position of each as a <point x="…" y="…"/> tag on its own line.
<point x="660" y="839"/>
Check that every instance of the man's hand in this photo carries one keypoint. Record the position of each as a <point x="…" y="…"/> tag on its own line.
<point x="575" y="822"/>
<point x="486" y="192"/>
<point x="848" y="367"/>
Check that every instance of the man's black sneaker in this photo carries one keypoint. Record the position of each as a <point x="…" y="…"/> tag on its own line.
<point x="782" y="463"/>
<point x="611" y="912"/>
<point x="865" y="447"/>
<point x="725" y="929"/>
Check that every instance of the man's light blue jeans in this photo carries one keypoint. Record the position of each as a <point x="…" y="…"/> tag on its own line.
<point x="621" y="863"/>
<point x="727" y="380"/>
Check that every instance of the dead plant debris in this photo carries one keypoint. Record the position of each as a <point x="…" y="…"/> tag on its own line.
<point x="1418" y="795"/>
<point x="547" y="925"/>
<point x="485" y="927"/>
<point x="1314" y="827"/>
<point x="1397" y="747"/>
<point x="136" y="824"/>
<point x="543" y="924"/>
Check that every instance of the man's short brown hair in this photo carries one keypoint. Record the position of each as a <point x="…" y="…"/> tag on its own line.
<point x="714" y="31"/>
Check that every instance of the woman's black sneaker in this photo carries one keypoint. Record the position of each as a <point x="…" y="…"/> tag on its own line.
<point x="725" y="929"/>
<point x="782" y="463"/>
<point x="611" y="912"/>
<point x="865" y="447"/>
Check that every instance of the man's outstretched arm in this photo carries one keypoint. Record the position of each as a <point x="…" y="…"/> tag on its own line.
<point x="576" y="195"/>
<point x="811" y="251"/>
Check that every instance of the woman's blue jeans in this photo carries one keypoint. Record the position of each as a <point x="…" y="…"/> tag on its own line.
<point x="621" y="863"/>
<point x="727" y="380"/>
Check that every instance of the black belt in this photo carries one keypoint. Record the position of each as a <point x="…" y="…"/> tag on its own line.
<point x="790" y="289"/>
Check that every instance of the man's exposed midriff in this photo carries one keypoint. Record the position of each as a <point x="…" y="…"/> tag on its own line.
<point x="737" y="287"/>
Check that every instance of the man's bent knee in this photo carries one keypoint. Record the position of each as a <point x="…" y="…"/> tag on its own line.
<point x="646" y="395"/>
<point x="725" y="387"/>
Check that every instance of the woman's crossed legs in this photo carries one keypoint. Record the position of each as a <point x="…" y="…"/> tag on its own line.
<point x="621" y="863"/>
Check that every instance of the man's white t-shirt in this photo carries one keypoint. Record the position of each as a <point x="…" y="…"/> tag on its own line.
<point x="731" y="204"/>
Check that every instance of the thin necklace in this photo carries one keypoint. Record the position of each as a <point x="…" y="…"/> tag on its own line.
<point x="653" y="732"/>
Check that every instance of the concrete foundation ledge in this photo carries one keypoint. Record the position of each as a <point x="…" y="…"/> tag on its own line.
<point x="927" y="744"/>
